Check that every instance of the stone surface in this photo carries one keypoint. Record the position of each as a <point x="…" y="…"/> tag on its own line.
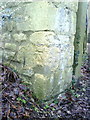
<point x="35" y="17"/>
<point x="19" y="37"/>
<point x="38" y="42"/>
<point x="10" y="46"/>
<point x="80" y="38"/>
<point x="88" y="23"/>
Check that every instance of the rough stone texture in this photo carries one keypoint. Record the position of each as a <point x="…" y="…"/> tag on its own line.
<point x="80" y="37"/>
<point x="49" y="18"/>
<point x="88" y="17"/>
<point x="38" y="42"/>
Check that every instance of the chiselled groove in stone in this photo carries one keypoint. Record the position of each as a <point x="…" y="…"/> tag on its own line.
<point x="24" y="60"/>
<point x="44" y="31"/>
<point x="56" y="32"/>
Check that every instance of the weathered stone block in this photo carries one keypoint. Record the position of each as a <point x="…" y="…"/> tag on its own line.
<point x="40" y="86"/>
<point x="9" y="56"/>
<point x="10" y="46"/>
<point x="72" y="5"/>
<point x="80" y="37"/>
<point x="47" y="55"/>
<point x="1" y="44"/>
<point x="19" y="37"/>
<point x="88" y="37"/>
<point x="37" y="17"/>
<point x="54" y="18"/>
<point x="68" y="4"/>
<point x="43" y="32"/>
<point x="10" y="4"/>
<point x="5" y="37"/>
<point x="73" y="23"/>
<point x="1" y="53"/>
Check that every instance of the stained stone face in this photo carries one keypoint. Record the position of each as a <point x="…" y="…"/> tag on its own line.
<point x="38" y="43"/>
<point x="43" y="15"/>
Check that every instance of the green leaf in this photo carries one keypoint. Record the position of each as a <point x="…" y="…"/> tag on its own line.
<point x="77" y="95"/>
<point x="53" y="109"/>
<point x="56" y="102"/>
<point x="23" y="101"/>
<point x="36" y="109"/>
<point x="19" y="99"/>
<point x="46" y="106"/>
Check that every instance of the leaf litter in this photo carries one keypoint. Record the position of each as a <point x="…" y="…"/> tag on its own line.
<point x="18" y="101"/>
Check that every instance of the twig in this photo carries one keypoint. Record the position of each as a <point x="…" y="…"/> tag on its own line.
<point x="10" y="103"/>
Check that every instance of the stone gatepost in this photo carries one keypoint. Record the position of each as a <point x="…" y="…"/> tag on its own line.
<point x="38" y="41"/>
<point x="80" y="37"/>
<point x="88" y="16"/>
